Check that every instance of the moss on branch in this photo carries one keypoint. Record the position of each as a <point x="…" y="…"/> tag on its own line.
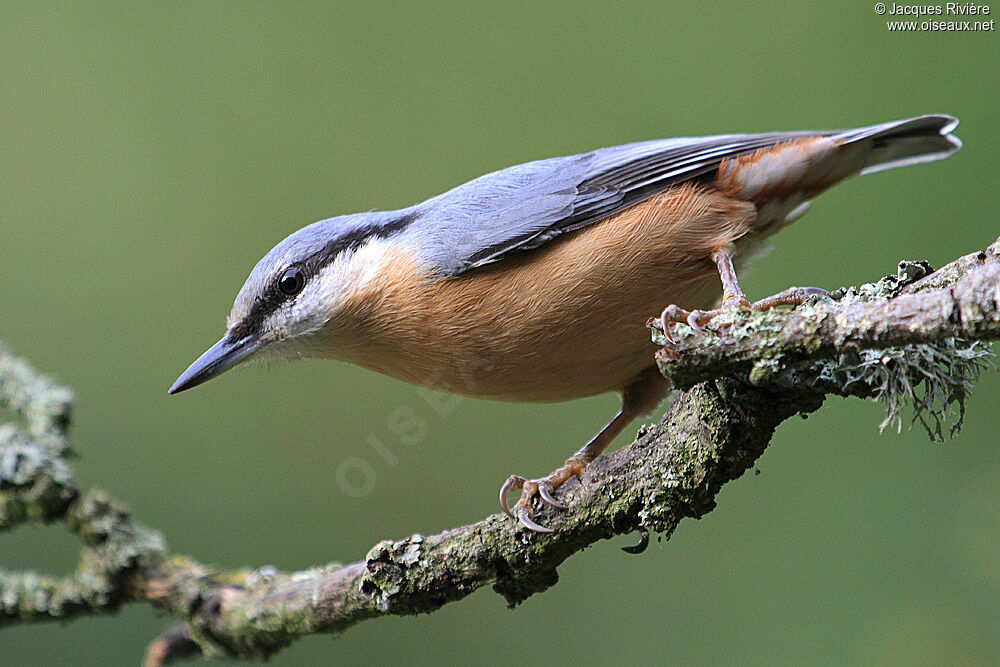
<point x="909" y="338"/>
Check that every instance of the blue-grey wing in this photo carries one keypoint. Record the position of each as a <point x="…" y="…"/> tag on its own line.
<point x="525" y="206"/>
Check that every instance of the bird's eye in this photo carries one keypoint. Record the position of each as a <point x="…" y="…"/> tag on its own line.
<point x="291" y="281"/>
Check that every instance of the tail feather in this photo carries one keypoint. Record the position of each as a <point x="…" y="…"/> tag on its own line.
<point x="783" y="178"/>
<point x="904" y="142"/>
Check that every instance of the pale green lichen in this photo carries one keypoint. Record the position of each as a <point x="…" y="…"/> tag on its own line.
<point x="37" y="399"/>
<point x="34" y="485"/>
<point x="764" y="370"/>
<point x="711" y="435"/>
<point x="935" y="379"/>
<point x="386" y="566"/>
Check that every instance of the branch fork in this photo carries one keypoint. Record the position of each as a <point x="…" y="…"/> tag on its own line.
<point x="915" y="337"/>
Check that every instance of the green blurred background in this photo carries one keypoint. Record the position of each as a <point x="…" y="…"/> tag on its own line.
<point x="151" y="153"/>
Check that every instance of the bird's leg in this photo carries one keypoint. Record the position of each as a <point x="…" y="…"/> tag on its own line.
<point x="545" y="486"/>
<point x="732" y="293"/>
<point x="641" y="396"/>
<point x="732" y="297"/>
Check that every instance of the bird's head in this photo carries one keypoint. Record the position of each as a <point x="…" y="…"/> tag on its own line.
<point x="289" y="305"/>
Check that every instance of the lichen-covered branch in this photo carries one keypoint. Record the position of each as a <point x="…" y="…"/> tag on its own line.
<point x="909" y="338"/>
<point x="914" y="306"/>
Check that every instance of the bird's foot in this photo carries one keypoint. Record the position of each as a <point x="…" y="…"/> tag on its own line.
<point x="698" y="319"/>
<point x="793" y="296"/>
<point x="538" y="491"/>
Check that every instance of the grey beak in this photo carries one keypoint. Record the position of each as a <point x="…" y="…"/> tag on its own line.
<point x="217" y="360"/>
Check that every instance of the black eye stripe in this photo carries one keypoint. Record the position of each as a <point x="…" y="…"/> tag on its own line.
<point x="273" y="296"/>
<point x="352" y="241"/>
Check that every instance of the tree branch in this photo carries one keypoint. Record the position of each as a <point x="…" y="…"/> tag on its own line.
<point x="910" y="338"/>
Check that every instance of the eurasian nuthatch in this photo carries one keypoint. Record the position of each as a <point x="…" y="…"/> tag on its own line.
<point x="534" y="283"/>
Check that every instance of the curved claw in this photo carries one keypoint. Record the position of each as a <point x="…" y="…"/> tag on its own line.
<point x="513" y="483"/>
<point x="545" y="491"/>
<point x="668" y="333"/>
<point x="671" y="314"/>
<point x="526" y="521"/>
<point x="692" y="321"/>
<point x="665" y="325"/>
<point x="641" y="546"/>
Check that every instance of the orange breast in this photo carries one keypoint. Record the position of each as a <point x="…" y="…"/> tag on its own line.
<point x="560" y="322"/>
